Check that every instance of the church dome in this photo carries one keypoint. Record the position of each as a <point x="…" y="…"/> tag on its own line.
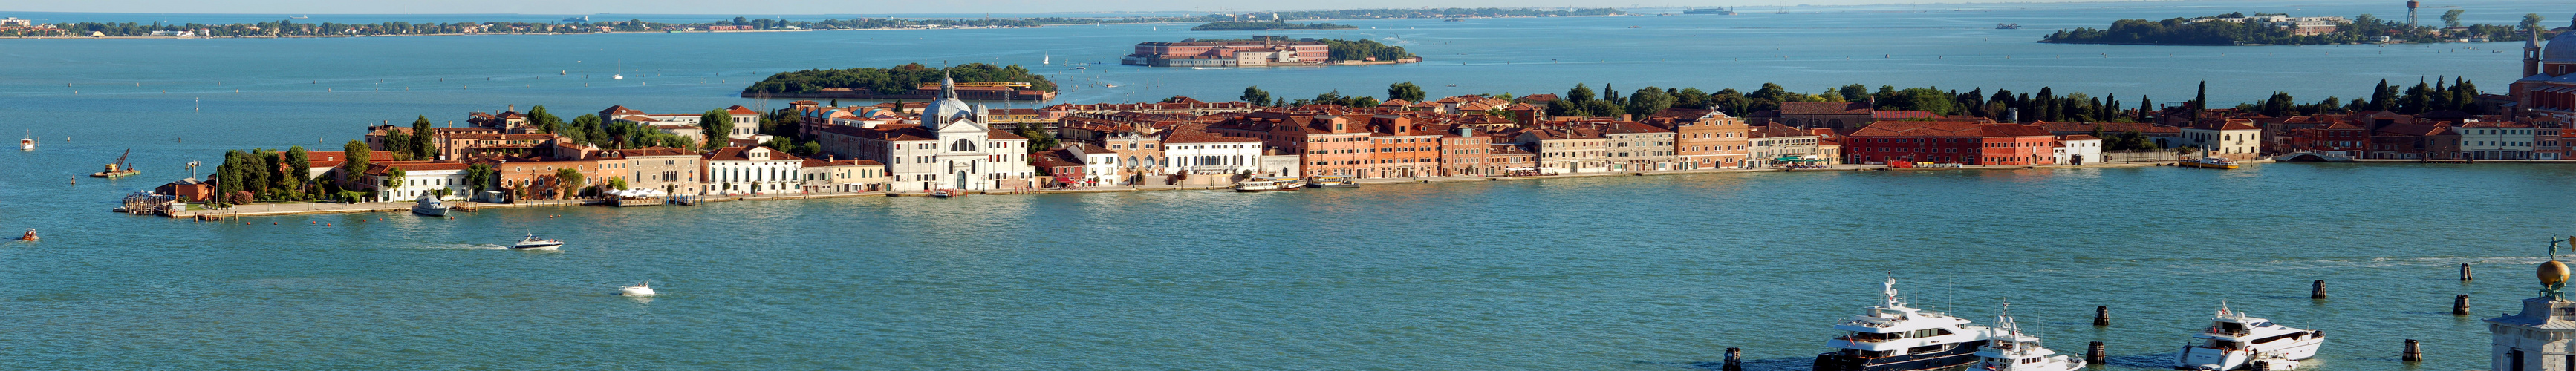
<point x="947" y="109"/>
<point x="2561" y="48"/>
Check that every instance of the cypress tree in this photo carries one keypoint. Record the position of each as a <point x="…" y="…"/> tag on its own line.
<point x="424" y="141"/>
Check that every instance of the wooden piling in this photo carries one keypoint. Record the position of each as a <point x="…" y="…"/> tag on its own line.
<point x="2101" y="315"/>
<point x="2413" y="354"/>
<point x="2460" y="305"/>
<point x="2464" y="273"/>
<point x="1734" y="360"/>
<point x="2317" y="290"/>
<point x="2093" y="354"/>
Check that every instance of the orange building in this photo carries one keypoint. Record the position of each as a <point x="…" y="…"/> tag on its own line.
<point x="1705" y="139"/>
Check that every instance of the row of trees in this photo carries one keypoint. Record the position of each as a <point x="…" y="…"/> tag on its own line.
<point x="1364" y="49"/>
<point x="2362" y="29"/>
<point x="895" y="80"/>
<point x="2456" y="95"/>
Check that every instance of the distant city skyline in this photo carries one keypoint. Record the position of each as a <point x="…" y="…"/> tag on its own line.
<point x="790" y="7"/>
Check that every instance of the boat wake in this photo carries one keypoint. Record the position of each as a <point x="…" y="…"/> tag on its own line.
<point x="465" y="247"/>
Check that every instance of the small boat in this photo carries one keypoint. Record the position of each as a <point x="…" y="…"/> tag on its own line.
<point x="29" y="237"/>
<point x="2235" y="341"/>
<point x="2209" y="163"/>
<point x="2007" y="26"/>
<point x="621" y="71"/>
<point x="117" y="169"/>
<point x="2007" y="349"/>
<point x="429" y="205"/>
<point x="27" y="143"/>
<point x="948" y="193"/>
<point x="1337" y="181"/>
<point x="645" y="289"/>
<point x="534" y="243"/>
<point x="1268" y="184"/>
<point x="1894" y="337"/>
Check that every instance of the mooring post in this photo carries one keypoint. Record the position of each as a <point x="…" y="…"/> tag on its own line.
<point x="2413" y="354"/>
<point x="2093" y="354"/>
<point x="2464" y="273"/>
<point x="2317" y="290"/>
<point x="2460" y="305"/>
<point x="1734" y="359"/>
<point x="2101" y="315"/>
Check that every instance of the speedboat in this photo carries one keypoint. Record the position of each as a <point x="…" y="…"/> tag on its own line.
<point x="645" y="289"/>
<point x="2007" y="349"/>
<point x="1894" y="337"/>
<point x="29" y="237"/>
<point x="2209" y="163"/>
<point x="2235" y="341"/>
<point x="534" y="243"/>
<point x="429" y="205"/>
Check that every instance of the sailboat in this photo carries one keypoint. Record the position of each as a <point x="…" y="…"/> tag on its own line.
<point x="621" y="71"/>
<point x="1048" y="58"/>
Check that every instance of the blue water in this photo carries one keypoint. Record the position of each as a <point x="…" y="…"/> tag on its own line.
<point x="1601" y="273"/>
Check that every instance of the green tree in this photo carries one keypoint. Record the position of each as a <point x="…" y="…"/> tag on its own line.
<point x="1255" y="95"/>
<point x="1039" y="139"/>
<point x="479" y="177"/>
<point x="1648" y="101"/>
<point x="398" y="144"/>
<point x="718" y="125"/>
<point x="356" y="163"/>
<point x="2531" y="21"/>
<point x="1579" y="94"/>
<point x="394" y="177"/>
<point x="543" y="121"/>
<point x="2452" y="18"/>
<point x="298" y="164"/>
<point x="568" y="182"/>
<point x="1406" y="91"/>
<point x="588" y="123"/>
<point x="424" y="140"/>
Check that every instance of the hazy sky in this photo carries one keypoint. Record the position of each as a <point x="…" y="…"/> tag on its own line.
<point x="757" y="7"/>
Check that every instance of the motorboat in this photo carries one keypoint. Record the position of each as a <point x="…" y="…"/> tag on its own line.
<point x="1894" y="337"/>
<point x="1268" y="184"/>
<point x="534" y="243"/>
<point x="948" y="193"/>
<point x="644" y="289"/>
<point x="2008" y="349"/>
<point x="29" y="237"/>
<point x="2209" y="163"/>
<point x="2236" y="341"/>
<point x="27" y="143"/>
<point x="429" y="205"/>
<point x="1333" y="182"/>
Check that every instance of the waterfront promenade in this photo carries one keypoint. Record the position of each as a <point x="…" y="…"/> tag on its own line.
<point x="285" y="209"/>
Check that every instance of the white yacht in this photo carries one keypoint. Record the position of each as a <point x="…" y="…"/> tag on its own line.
<point x="429" y="205"/>
<point x="534" y="243"/>
<point x="2235" y="341"/>
<point x="645" y="289"/>
<point x="1894" y="337"/>
<point x="28" y="143"/>
<point x="2007" y="349"/>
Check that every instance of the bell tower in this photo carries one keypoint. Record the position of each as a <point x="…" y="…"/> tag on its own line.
<point x="2538" y="339"/>
<point x="2531" y="55"/>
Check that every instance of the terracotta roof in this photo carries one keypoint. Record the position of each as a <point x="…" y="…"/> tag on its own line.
<point x="1197" y="133"/>
<point x="1824" y="108"/>
<point x="648" y="151"/>
<point x="1631" y="127"/>
<point x="739" y="110"/>
<point x="737" y="154"/>
<point x="1947" y="129"/>
<point x="1902" y="115"/>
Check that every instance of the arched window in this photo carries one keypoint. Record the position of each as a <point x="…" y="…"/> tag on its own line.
<point x="962" y="145"/>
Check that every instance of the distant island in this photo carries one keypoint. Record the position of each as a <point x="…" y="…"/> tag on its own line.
<point x="574" y="25"/>
<point x="976" y="81"/>
<point x="1266" y="51"/>
<point x="2282" y="29"/>
<point x="1269" y="26"/>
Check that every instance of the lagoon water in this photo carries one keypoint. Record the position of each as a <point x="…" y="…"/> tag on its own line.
<point x="1602" y="273"/>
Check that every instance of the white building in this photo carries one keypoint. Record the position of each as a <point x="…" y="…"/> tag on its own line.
<point x="418" y="178"/>
<point x="1099" y="164"/>
<point x="2496" y="140"/>
<point x="2078" y="149"/>
<point x="950" y="148"/>
<point x="841" y="176"/>
<point x="752" y="171"/>
<point x="1193" y="150"/>
<point x="2224" y="138"/>
<point x="2539" y="338"/>
<point x="746" y="122"/>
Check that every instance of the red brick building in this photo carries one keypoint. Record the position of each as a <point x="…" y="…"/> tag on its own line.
<point x="1951" y="142"/>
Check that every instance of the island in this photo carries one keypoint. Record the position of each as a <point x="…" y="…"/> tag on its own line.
<point x="1269" y="26"/>
<point x="2282" y="29"/>
<point x="1266" y="51"/>
<point x="307" y="27"/>
<point x="976" y="81"/>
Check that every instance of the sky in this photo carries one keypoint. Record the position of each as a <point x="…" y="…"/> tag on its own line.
<point x="758" y="7"/>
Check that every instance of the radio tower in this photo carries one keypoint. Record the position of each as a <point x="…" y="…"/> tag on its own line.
<point x="2410" y="11"/>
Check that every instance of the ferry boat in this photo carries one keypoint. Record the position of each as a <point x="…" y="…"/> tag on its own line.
<point x="2007" y="349"/>
<point x="429" y="205"/>
<point x="1337" y="181"/>
<point x="2007" y="26"/>
<point x="1894" y="337"/>
<point x="1268" y="184"/>
<point x="2209" y="163"/>
<point x="2235" y="341"/>
<point x="534" y="243"/>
